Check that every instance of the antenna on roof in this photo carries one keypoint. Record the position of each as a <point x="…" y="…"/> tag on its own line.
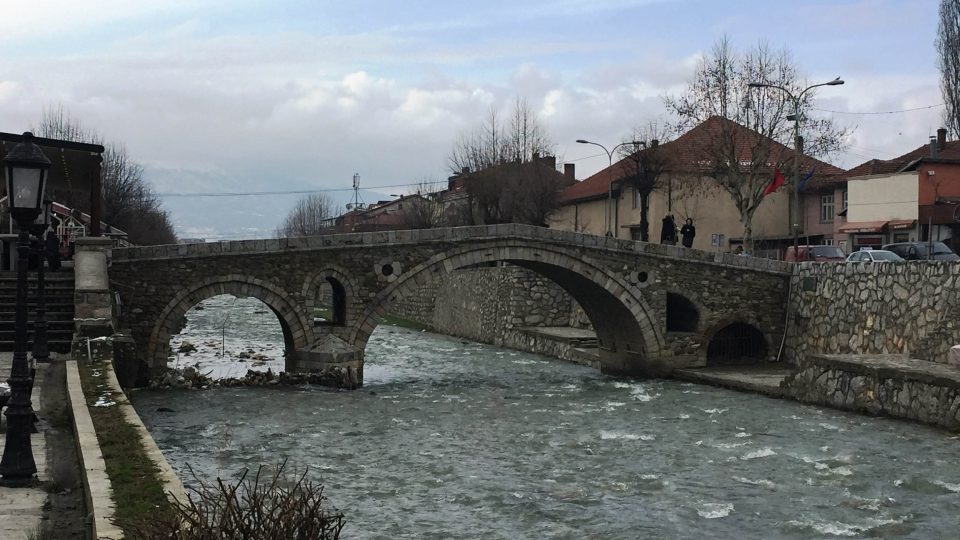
<point x="357" y="201"/>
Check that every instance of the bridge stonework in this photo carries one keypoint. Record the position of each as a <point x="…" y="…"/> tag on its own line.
<point x="623" y="286"/>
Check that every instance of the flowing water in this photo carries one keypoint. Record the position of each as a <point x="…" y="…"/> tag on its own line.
<point x="454" y="439"/>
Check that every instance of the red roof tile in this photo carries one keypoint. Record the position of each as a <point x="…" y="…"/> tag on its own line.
<point x="689" y="153"/>
<point x="950" y="152"/>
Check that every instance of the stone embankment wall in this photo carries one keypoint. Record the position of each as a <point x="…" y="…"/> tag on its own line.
<point x="879" y="385"/>
<point x="909" y="309"/>
<point x="493" y="305"/>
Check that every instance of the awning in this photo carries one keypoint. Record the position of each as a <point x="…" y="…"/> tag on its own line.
<point x="939" y="214"/>
<point x="902" y="224"/>
<point x="863" y="227"/>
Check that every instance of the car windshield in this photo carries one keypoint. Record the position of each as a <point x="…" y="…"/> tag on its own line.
<point x="939" y="248"/>
<point x="828" y="251"/>
<point x="885" y="256"/>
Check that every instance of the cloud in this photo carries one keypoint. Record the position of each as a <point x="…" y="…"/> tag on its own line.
<point x="239" y="96"/>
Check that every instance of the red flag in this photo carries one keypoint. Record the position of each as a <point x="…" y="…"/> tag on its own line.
<point x="775" y="184"/>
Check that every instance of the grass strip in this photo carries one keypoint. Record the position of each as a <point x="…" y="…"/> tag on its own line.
<point x="138" y="492"/>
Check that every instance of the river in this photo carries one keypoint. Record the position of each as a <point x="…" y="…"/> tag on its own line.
<point x="454" y="439"/>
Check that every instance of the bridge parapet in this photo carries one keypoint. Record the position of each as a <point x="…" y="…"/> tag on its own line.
<point x="450" y="234"/>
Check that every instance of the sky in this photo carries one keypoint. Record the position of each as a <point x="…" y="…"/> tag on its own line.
<point x="245" y="96"/>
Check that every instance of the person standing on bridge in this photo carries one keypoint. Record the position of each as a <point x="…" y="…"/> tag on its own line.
<point x="688" y="232"/>
<point x="668" y="234"/>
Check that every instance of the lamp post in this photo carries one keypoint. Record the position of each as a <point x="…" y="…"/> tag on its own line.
<point x="25" y="168"/>
<point x="41" y="349"/>
<point x="798" y="150"/>
<point x="607" y="213"/>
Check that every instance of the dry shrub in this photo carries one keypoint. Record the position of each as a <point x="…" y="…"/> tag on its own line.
<point x="268" y="505"/>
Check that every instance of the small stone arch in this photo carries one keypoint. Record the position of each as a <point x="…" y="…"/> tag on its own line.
<point x="343" y="291"/>
<point x="628" y="322"/>
<point x="296" y="330"/>
<point x="734" y="338"/>
<point x="682" y="314"/>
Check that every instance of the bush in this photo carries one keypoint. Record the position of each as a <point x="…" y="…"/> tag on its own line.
<point x="267" y="506"/>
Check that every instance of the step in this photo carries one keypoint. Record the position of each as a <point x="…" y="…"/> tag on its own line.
<point x="59" y="345"/>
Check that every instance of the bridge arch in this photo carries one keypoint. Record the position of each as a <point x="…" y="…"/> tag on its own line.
<point x="630" y="340"/>
<point x="297" y="332"/>
<point x="739" y="332"/>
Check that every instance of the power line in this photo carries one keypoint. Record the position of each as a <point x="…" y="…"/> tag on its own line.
<point x="289" y="192"/>
<point x="881" y="112"/>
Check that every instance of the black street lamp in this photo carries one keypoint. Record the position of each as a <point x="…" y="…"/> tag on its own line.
<point x="41" y="350"/>
<point x="25" y="168"/>
<point x="608" y="212"/>
<point x="798" y="149"/>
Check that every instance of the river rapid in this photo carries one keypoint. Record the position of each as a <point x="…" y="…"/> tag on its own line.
<point x="455" y="439"/>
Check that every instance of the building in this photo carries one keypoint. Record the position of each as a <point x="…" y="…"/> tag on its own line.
<point x="913" y="197"/>
<point x="686" y="188"/>
<point x="74" y="175"/>
<point x="407" y="212"/>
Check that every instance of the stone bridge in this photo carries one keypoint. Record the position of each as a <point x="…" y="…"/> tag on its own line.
<point x="654" y="307"/>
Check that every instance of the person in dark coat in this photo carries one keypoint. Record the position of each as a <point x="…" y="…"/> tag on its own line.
<point x="668" y="234"/>
<point x="52" y="250"/>
<point x="688" y="232"/>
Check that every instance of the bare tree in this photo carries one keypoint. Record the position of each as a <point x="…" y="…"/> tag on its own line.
<point x="129" y="203"/>
<point x="948" y="48"/>
<point x="742" y="160"/>
<point x="642" y="166"/>
<point x="422" y="209"/>
<point x="311" y="216"/>
<point x="493" y="143"/>
<point x="689" y="195"/>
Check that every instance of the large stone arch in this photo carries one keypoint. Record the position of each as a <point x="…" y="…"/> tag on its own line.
<point x="297" y="332"/>
<point x="630" y="338"/>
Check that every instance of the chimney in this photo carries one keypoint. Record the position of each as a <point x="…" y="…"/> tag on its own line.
<point x="941" y="138"/>
<point x="549" y="161"/>
<point x="654" y="143"/>
<point x="569" y="172"/>
<point x="933" y="146"/>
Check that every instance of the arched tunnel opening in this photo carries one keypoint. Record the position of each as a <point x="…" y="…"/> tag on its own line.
<point x="737" y="343"/>
<point x="331" y="303"/>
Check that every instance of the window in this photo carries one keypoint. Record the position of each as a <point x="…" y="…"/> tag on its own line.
<point x="826" y="208"/>
<point x="844" y="199"/>
<point x="636" y="198"/>
<point x="901" y="237"/>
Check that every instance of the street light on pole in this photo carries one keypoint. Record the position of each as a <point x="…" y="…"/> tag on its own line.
<point x="798" y="150"/>
<point x="607" y="213"/>
<point x="25" y="168"/>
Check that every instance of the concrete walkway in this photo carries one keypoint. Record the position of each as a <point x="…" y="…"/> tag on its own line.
<point x="759" y="378"/>
<point x="21" y="509"/>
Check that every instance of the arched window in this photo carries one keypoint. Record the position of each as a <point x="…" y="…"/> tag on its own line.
<point x="331" y="304"/>
<point x="682" y="315"/>
<point x="737" y="343"/>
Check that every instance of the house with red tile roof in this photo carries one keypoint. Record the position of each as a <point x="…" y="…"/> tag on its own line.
<point x="913" y="197"/>
<point x="687" y="189"/>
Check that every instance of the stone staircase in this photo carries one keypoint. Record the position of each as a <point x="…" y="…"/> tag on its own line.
<point x="59" y="292"/>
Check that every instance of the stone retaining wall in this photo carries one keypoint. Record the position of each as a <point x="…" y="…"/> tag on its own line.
<point x="910" y="309"/>
<point x="493" y="305"/>
<point x="879" y="385"/>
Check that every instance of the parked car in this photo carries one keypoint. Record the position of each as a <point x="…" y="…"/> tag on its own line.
<point x="874" y="255"/>
<point x="921" y="251"/>
<point x="814" y="253"/>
